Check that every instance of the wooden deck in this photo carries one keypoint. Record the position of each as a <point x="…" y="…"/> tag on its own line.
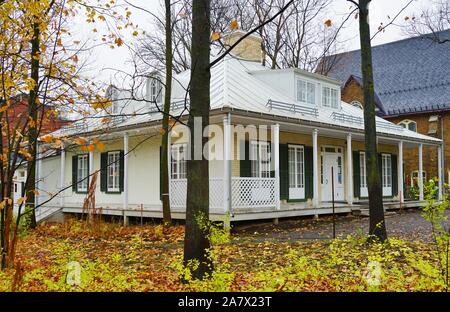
<point x="286" y="210"/>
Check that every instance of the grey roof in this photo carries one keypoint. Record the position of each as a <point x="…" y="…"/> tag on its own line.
<point x="410" y="75"/>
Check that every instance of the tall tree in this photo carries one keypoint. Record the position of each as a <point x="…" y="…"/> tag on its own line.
<point x="196" y="243"/>
<point x="165" y="124"/>
<point x="377" y="227"/>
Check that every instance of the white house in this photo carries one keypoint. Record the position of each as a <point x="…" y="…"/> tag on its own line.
<point x="312" y="133"/>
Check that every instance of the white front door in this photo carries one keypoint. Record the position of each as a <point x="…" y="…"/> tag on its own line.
<point x="296" y="162"/>
<point x="332" y="160"/>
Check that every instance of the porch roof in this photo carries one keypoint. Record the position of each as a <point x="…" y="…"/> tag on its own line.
<point x="235" y="88"/>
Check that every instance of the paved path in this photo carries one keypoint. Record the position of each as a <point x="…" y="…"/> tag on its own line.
<point x="408" y="224"/>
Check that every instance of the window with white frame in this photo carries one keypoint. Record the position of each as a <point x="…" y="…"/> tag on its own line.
<point x="386" y="170"/>
<point x="260" y="159"/>
<point x="82" y="172"/>
<point x="330" y="97"/>
<point x="178" y="161"/>
<point x="113" y="177"/>
<point x="296" y="165"/>
<point x="306" y="91"/>
<point x="415" y="177"/>
<point x="356" y="104"/>
<point x="156" y="90"/>
<point x="409" y="124"/>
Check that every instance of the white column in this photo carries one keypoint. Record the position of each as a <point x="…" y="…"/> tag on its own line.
<point x="276" y="162"/>
<point x="125" y="171"/>
<point x="315" y="170"/>
<point x="420" y="172"/>
<point x="440" y="182"/>
<point x="38" y="173"/>
<point x="349" y="170"/>
<point x="91" y="166"/>
<point x="227" y="164"/>
<point x="169" y="160"/>
<point x="62" y="175"/>
<point x="400" y="172"/>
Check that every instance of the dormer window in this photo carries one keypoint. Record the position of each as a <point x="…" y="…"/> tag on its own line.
<point x="330" y="97"/>
<point x="356" y="104"/>
<point x="306" y="91"/>
<point x="409" y="124"/>
<point x="155" y="90"/>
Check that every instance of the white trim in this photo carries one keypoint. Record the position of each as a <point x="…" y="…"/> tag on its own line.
<point x="297" y="190"/>
<point x="349" y="170"/>
<point x="440" y="184"/>
<point x="386" y="174"/>
<point x="420" y="172"/>
<point x="315" y="169"/>
<point x="113" y="171"/>
<point x="227" y="163"/>
<point x="125" y="171"/>
<point x="84" y="159"/>
<point x="400" y="172"/>
<point x="62" y="175"/>
<point x="276" y="162"/>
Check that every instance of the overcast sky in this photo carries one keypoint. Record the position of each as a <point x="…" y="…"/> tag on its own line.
<point x="103" y="58"/>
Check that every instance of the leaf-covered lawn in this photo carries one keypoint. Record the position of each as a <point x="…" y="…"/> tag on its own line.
<point x="135" y="258"/>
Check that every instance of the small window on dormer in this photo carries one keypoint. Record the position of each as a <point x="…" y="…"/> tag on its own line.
<point x="356" y="104"/>
<point x="330" y="97"/>
<point x="409" y="124"/>
<point x="155" y="90"/>
<point x="306" y="91"/>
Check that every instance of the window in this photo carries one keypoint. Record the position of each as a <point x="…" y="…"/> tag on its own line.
<point x="408" y="124"/>
<point x="156" y="90"/>
<point x="306" y="91"/>
<point x="362" y="170"/>
<point x="82" y="172"/>
<point x="260" y="159"/>
<point x="330" y="97"/>
<point x="296" y="166"/>
<point x="415" y="177"/>
<point x="178" y="161"/>
<point x="356" y="104"/>
<point x="339" y="167"/>
<point x="113" y="171"/>
<point x="386" y="170"/>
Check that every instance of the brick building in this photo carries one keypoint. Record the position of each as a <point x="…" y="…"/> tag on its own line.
<point x="412" y="89"/>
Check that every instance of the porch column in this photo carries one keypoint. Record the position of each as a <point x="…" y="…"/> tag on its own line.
<point x="349" y="170"/>
<point x="62" y="176"/>
<point x="227" y="164"/>
<point x="125" y="171"/>
<point x="315" y="171"/>
<point x="440" y="182"/>
<point x="91" y="167"/>
<point x="401" y="196"/>
<point x="420" y="172"/>
<point x="169" y="162"/>
<point x="276" y="160"/>
<point x="38" y="173"/>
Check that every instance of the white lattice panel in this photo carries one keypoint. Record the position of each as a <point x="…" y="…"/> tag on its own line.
<point x="178" y="189"/>
<point x="253" y="192"/>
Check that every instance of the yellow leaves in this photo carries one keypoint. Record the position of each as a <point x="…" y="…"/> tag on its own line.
<point x="5" y="201"/>
<point x="119" y="41"/>
<point x="234" y="25"/>
<point x="80" y="141"/>
<point x="47" y="138"/>
<point x="30" y="84"/>
<point x="328" y="23"/>
<point x="21" y="200"/>
<point x="3" y="108"/>
<point x="135" y="33"/>
<point x="88" y="148"/>
<point x="98" y="144"/>
<point x="24" y="152"/>
<point x="215" y="36"/>
<point x="59" y="42"/>
<point x="101" y="103"/>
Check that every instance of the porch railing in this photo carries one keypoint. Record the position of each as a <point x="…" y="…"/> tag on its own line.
<point x="246" y="193"/>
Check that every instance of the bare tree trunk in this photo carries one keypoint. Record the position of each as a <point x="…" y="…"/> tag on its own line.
<point x="33" y="129"/>
<point x="196" y="243"/>
<point x="168" y="90"/>
<point x="377" y="228"/>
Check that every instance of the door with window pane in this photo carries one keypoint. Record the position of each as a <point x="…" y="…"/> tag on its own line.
<point x="386" y="174"/>
<point x="296" y="166"/>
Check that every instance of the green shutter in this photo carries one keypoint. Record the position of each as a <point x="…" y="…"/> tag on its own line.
<point x="309" y="172"/>
<point x="245" y="164"/>
<point x="103" y="171"/>
<point x="284" y="172"/>
<point x="356" y="175"/>
<point x="394" y="175"/>
<point x="121" y="170"/>
<point x="74" y="172"/>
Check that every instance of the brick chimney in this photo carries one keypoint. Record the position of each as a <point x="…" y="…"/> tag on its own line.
<point x="248" y="49"/>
